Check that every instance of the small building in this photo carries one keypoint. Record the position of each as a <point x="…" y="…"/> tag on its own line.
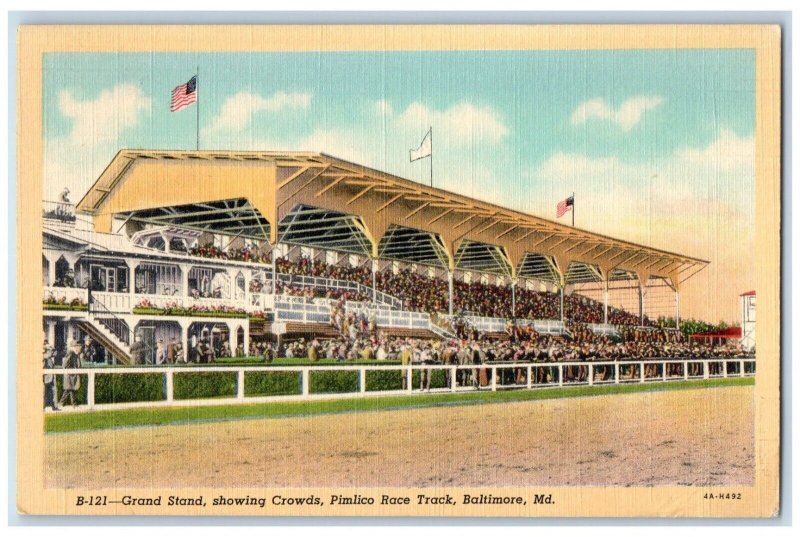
<point x="748" y="309"/>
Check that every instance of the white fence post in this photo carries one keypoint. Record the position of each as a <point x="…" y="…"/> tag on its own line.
<point x="741" y="368"/>
<point x="494" y="378"/>
<point x="362" y="379"/>
<point x="560" y="374"/>
<point x="725" y="369"/>
<point x="240" y="385"/>
<point x="664" y="371"/>
<point x="641" y="372"/>
<point x="306" y="387"/>
<point x="90" y="389"/>
<point x="685" y="370"/>
<point x="410" y="378"/>
<point x="530" y="375"/>
<point x="170" y="386"/>
<point x="591" y="375"/>
<point x="705" y="370"/>
<point x="453" y="373"/>
<point x="616" y="372"/>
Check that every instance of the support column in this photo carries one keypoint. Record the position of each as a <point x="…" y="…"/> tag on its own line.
<point x="233" y="329"/>
<point x="51" y="333"/>
<point x="246" y="341"/>
<point x="677" y="310"/>
<point x="133" y="264"/>
<point x="185" y="339"/>
<point x="51" y="271"/>
<point x="514" y="298"/>
<point x="605" y="303"/>
<point x="561" y="303"/>
<point x="450" y="292"/>
<point x="641" y="304"/>
<point x="274" y="268"/>
<point x="374" y="281"/>
<point x="185" y="280"/>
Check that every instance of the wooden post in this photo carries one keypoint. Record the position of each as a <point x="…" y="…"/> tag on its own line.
<point x="591" y="375"/>
<point x="90" y="389"/>
<point x="494" y="379"/>
<point x="530" y="377"/>
<point x="240" y="385"/>
<point x="616" y="372"/>
<point x="306" y="387"/>
<point x="362" y="379"/>
<point x="170" y="395"/>
<point x="453" y="372"/>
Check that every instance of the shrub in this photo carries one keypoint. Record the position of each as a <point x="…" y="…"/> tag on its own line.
<point x="333" y="381"/>
<point x="129" y="388"/>
<point x="272" y="383"/>
<point x="203" y="385"/>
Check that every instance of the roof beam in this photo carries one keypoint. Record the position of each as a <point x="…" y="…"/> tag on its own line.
<point x="394" y="199"/>
<point x="330" y="186"/>
<point x="364" y="191"/>
<point x="415" y="211"/>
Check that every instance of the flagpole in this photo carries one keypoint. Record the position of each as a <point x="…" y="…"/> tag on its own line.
<point x="197" y="115"/>
<point x="430" y="132"/>
<point x="573" y="209"/>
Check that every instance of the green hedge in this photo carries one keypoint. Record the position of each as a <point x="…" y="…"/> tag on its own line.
<point x="333" y="381"/>
<point x="189" y="313"/>
<point x="380" y="381"/>
<point x="138" y="387"/>
<point x="128" y="388"/>
<point x="275" y="383"/>
<point x="203" y="385"/>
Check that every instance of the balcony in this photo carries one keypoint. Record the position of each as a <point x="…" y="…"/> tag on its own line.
<point x="59" y="211"/>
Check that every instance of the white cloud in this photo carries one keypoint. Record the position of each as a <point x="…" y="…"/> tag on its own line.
<point x="463" y="123"/>
<point x="76" y="158"/>
<point x="696" y="201"/>
<point x="626" y="116"/>
<point x="384" y="107"/>
<point x="105" y="117"/>
<point x="238" y="110"/>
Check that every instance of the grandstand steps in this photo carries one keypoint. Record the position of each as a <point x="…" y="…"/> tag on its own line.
<point x="417" y="333"/>
<point x="322" y="330"/>
<point x="102" y="335"/>
<point x="497" y="336"/>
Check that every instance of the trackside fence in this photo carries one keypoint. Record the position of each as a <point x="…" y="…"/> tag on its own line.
<point x="198" y="386"/>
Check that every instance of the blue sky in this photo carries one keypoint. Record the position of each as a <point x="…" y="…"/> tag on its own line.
<point x="658" y="145"/>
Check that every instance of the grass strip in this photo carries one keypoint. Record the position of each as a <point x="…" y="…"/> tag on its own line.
<point x="110" y="419"/>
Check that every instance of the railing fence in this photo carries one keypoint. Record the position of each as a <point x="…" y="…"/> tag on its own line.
<point x="416" y="378"/>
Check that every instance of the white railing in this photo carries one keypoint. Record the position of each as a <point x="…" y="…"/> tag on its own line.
<point x="302" y="310"/>
<point x="261" y="301"/>
<point x="113" y="302"/>
<point x="603" y="329"/>
<point x="343" y="285"/>
<point x="544" y="326"/>
<point x="68" y="294"/>
<point x="391" y="318"/>
<point x="58" y="210"/>
<point x="458" y="378"/>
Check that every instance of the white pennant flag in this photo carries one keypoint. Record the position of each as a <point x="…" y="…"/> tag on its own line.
<point x="425" y="149"/>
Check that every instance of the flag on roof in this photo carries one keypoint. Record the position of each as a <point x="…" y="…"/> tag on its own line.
<point x="425" y="149"/>
<point x="184" y="95"/>
<point x="564" y="206"/>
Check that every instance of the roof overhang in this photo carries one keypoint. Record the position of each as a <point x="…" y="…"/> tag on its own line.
<point x="142" y="184"/>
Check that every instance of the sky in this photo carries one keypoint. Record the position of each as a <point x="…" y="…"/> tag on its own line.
<point x="657" y="145"/>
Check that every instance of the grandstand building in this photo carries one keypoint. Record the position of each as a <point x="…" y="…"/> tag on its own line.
<point x="187" y="246"/>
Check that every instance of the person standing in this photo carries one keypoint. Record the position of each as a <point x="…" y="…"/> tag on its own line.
<point x="71" y="382"/>
<point x="50" y="390"/>
<point x="405" y="361"/>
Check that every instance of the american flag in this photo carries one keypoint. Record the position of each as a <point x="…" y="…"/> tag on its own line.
<point x="564" y="206"/>
<point x="184" y="95"/>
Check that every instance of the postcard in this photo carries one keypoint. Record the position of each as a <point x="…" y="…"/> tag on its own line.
<point x="366" y="270"/>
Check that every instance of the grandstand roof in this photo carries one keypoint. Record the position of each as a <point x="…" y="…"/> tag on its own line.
<point x="318" y="200"/>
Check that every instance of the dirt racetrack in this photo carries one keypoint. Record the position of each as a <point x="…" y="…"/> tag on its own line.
<point x="682" y="437"/>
